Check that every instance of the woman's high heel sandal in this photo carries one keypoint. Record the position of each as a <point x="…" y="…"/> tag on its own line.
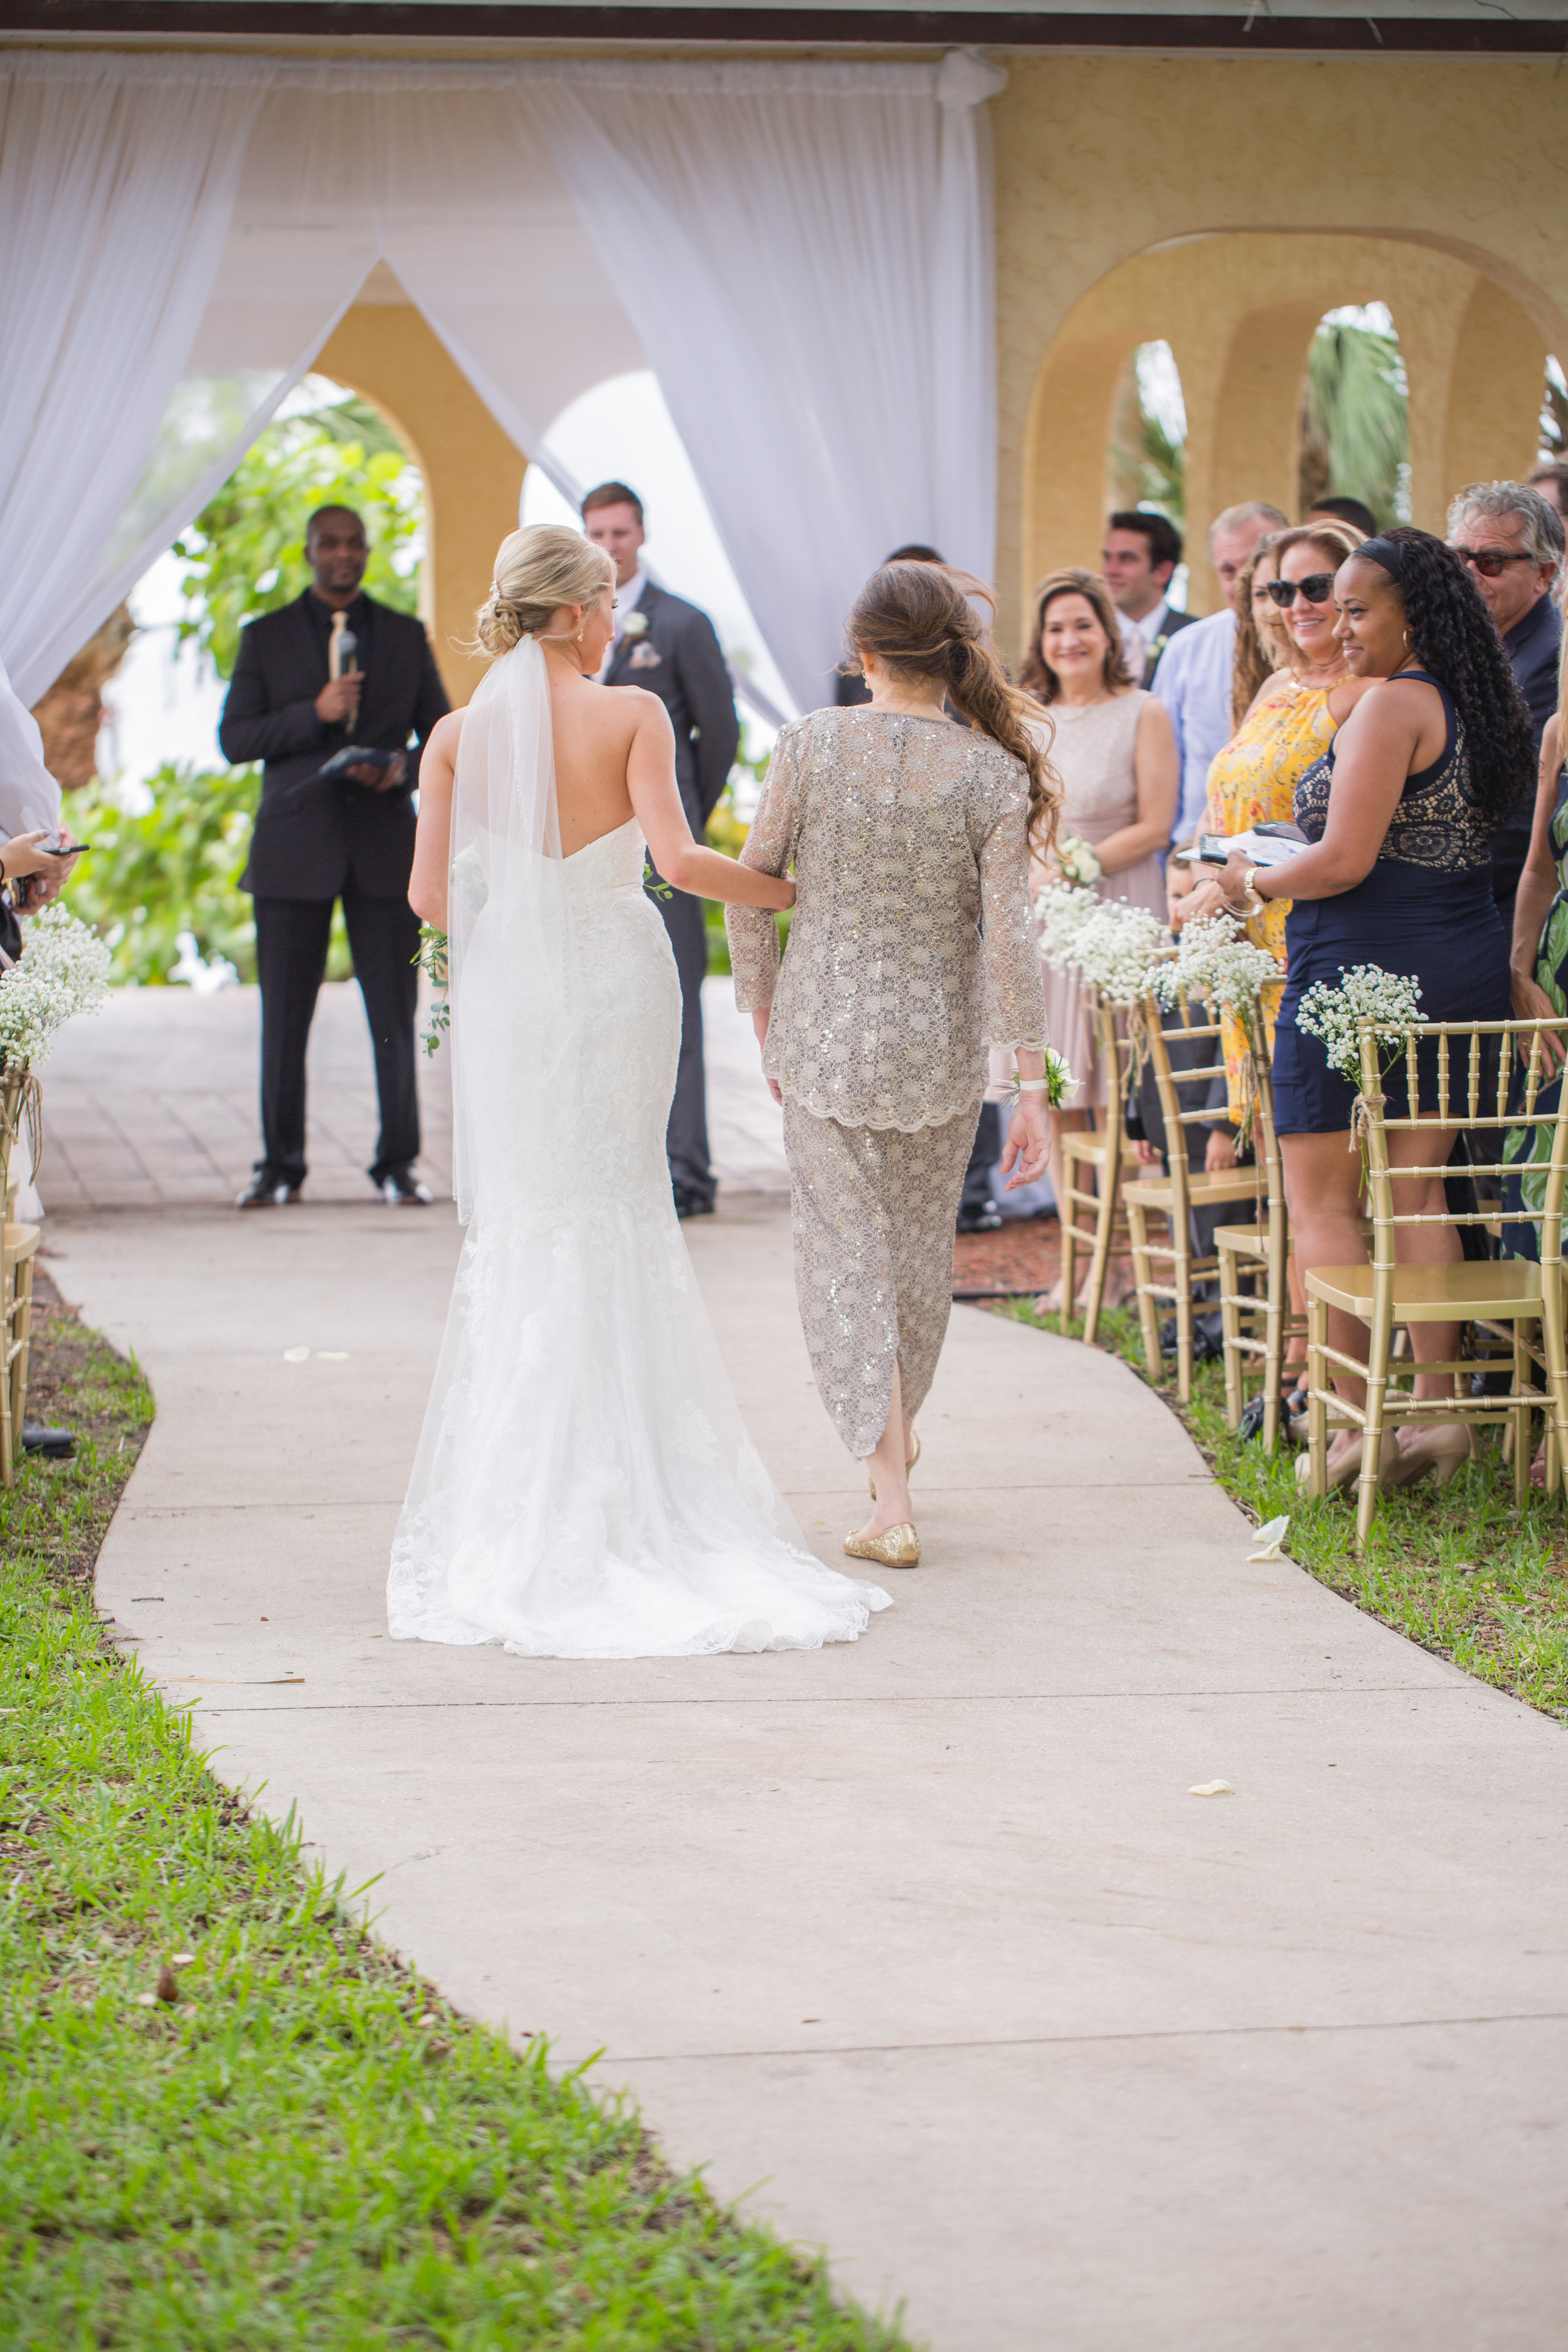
<point x="1347" y="1469"/>
<point x="1440" y="1446"/>
<point x="907" y="1466"/>
<point x="895" y="1547"/>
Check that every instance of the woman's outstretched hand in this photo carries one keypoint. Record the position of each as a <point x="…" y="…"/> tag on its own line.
<point x="1530" y="1002"/>
<point x="760" y="1023"/>
<point x="1027" y="1150"/>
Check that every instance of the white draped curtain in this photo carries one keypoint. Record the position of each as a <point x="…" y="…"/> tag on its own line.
<point x="800" y="252"/>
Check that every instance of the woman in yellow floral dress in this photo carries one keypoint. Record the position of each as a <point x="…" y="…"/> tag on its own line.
<point x="1294" y="717"/>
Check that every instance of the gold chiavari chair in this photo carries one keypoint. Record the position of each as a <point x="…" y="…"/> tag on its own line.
<point x="1509" y="1292"/>
<point x="1256" y="1322"/>
<point x="1177" y="1193"/>
<point x="1104" y="1156"/>
<point x="18" y="1248"/>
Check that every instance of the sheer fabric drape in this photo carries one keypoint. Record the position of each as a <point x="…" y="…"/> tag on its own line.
<point x="801" y="252"/>
<point x="117" y="186"/>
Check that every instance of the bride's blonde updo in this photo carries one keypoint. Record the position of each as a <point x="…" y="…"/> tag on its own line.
<point x="538" y="570"/>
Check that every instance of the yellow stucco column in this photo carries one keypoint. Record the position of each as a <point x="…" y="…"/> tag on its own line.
<point x="1495" y="387"/>
<point x="1169" y="182"/>
<point x="473" y="471"/>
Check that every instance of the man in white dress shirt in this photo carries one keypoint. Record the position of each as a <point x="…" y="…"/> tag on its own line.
<point x="1138" y="561"/>
<point x="1194" y="676"/>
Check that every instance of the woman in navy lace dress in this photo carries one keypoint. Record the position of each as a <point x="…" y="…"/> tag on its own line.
<point x="1400" y="810"/>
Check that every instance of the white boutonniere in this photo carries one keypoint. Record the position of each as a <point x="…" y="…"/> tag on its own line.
<point x="636" y="626"/>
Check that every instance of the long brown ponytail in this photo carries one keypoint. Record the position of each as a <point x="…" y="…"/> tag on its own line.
<point x="920" y="619"/>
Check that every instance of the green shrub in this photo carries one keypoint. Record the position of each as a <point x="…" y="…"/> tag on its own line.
<point x="146" y="879"/>
<point x="177" y="868"/>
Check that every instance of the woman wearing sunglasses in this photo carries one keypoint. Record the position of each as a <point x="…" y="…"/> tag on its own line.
<point x="1400" y="811"/>
<point x="1293" y="718"/>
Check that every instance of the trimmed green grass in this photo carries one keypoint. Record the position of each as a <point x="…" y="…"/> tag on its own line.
<point x="231" y="2119"/>
<point x="1460" y="1572"/>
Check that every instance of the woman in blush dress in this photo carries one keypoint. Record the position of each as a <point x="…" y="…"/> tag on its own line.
<point x="1113" y="748"/>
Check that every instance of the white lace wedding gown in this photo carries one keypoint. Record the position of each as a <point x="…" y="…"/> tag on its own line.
<point x="584" y="1486"/>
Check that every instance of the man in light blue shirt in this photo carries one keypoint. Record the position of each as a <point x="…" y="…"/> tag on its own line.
<point x="1194" y="680"/>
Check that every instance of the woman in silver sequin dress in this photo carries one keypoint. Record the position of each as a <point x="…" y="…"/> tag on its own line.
<point x="912" y="951"/>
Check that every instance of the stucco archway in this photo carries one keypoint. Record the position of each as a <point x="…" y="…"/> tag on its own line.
<point x="1238" y="310"/>
<point x="384" y="348"/>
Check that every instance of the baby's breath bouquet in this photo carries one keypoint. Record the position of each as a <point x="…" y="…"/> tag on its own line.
<point x="63" y="969"/>
<point x="1334" y="1010"/>
<point x="1113" y="945"/>
<point x="1060" y="912"/>
<point x="1217" y="960"/>
<point x="1118" y="948"/>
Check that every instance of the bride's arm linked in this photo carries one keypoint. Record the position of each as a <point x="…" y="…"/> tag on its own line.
<point x="1018" y="996"/>
<point x="754" y="934"/>
<point x="433" y="834"/>
<point x="685" y="863"/>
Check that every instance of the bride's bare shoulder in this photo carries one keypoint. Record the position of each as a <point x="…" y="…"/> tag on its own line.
<point x="630" y="708"/>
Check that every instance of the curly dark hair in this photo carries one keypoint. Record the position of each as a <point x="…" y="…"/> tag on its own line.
<point x="1452" y="635"/>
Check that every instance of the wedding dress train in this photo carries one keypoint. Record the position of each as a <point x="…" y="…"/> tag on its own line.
<point x="584" y="1486"/>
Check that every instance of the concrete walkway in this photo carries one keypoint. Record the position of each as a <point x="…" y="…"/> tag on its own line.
<point x="926" y="1936"/>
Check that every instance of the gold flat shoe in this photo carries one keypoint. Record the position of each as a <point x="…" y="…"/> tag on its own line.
<point x="907" y="1466"/>
<point x="897" y="1547"/>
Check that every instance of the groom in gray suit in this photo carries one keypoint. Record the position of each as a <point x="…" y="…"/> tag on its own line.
<point x="667" y="646"/>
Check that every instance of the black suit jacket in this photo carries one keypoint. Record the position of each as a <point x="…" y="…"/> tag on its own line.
<point x="678" y="657"/>
<point x="1168" y="628"/>
<point x="318" y="843"/>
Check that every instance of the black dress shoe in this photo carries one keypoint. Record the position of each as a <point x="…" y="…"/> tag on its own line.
<point x="266" y="1191"/>
<point x="689" y="1204"/>
<point x="1208" y="1347"/>
<point x="983" y="1217"/>
<point x="54" y="1444"/>
<point x="401" y="1189"/>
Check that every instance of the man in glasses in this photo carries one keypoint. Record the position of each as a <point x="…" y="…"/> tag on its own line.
<point x="1512" y="539"/>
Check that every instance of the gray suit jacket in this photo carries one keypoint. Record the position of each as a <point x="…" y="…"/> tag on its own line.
<point x="677" y="656"/>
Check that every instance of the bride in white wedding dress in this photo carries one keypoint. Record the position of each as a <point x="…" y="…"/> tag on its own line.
<point x="584" y="1486"/>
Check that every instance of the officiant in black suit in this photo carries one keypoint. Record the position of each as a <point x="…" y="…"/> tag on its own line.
<point x="331" y="671"/>
<point x="667" y="646"/>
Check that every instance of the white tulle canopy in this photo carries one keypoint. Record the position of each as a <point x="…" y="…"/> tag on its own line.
<point x="800" y="252"/>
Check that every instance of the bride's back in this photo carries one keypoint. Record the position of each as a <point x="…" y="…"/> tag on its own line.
<point x="594" y="725"/>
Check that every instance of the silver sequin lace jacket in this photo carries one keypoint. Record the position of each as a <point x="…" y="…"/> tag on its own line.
<point x="907" y="837"/>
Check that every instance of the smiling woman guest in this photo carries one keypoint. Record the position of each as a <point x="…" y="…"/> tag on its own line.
<point x="1291" y="720"/>
<point x="1400" y="809"/>
<point x="1114" y="752"/>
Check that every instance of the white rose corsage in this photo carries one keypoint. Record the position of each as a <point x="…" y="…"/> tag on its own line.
<point x="636" y="626"/>
<point x="1059" y="1081"/>
<point x="1077" y="863"/>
